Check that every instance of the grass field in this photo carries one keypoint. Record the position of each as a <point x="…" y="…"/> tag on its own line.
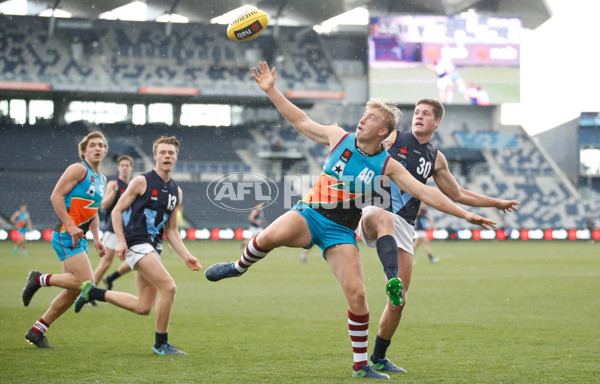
<point x="487" y="313"/>
<point x="409" y="84"/>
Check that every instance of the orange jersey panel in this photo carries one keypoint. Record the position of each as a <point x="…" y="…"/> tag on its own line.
<point x="329" y="189"/>
<point x="81" y="211"/>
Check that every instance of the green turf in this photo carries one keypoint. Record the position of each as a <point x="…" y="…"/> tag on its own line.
<point x="407" y="85"/>
<point x="488" y="312"/>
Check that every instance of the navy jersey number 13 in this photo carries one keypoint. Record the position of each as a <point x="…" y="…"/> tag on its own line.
<point x="150" y="211"/>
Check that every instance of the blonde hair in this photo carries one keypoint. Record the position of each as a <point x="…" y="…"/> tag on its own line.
<point x="166" y="140"/>
<point x="84" y="142"/>
<point x="391" y="113"/>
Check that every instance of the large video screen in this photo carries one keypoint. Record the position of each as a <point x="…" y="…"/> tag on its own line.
<point x="458" y="60"/>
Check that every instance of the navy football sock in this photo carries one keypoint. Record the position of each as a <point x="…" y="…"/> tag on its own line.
<point x="388" y="254"/>
<point x="160" y="339"/>
<point x="115" y="275"/>
<point x="381" y="346"/>
<point x="97" y="294"/>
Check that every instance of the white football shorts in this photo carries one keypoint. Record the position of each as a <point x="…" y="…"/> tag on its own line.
<point x="109" y="239"/>
<point x="136" y="252"/>
<point x="403" y="232"/>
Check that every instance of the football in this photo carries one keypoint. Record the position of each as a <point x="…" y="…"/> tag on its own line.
<point x="248" y="25"/>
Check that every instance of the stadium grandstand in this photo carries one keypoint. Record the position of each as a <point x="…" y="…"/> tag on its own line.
<point x="135" y="80"/>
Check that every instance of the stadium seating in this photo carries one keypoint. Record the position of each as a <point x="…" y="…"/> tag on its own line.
<point x="42" y="147"/>
<point x="33" y="188"/>
<point x="142" y="54"/>
<point x="486" y="140"/>
<point x="306" y="65"/>
<point x="525" y="175"/>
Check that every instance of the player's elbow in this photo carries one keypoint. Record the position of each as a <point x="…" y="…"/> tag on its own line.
<point x="116" y="214"/>
<point x="172" y="234"/>
<point x="54" y="198"/>
<point x="456" y="195"/>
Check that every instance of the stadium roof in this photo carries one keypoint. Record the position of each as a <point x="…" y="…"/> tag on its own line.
<point x="300" y="12"/>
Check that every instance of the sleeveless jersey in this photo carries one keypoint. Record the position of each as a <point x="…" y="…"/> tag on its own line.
<point x="22" y="220"/>
<point x="84" y="200"/>
<point x="150" y="211"/>
<point x="419" y="160"/>
<point x="349" y="180"/>
<point x="121" y="187"/>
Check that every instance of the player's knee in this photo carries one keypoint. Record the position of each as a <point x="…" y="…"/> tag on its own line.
<point x="357" y="295"/>
<point x="169" y="290"/>
<point x="173" y="289"/>
<point x="143" y="310"/>
<point x="269" y="239"/>
<point x="386" y="223"/>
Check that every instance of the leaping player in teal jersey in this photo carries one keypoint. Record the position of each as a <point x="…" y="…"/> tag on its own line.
<point x="329" y="213"/>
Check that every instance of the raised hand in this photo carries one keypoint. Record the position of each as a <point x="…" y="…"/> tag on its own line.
<point x="265" y="78"/>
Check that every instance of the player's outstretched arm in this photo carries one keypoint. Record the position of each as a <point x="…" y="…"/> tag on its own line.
<point x="449" y="187"/>
<point x="321" y="134"/>
<point x="487" y="201"/>
<point x="431" y="196"/>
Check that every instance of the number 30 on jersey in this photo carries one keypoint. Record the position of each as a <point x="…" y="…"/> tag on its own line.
<point x="424" y="167"/>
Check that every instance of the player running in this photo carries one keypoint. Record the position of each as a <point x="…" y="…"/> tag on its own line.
<point x="22" y="221"/>
<point x="76" y="198"/>
<point x="154" y="199"/>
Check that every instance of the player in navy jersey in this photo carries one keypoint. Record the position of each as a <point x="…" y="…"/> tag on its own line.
<point x="329" y="213"/>
<point x="256" y="219"/>
<point x="154" y="199"/>
<point x="114" y="190"/>
<point x="390" y="229"/>
<point x="76" y="199"/>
